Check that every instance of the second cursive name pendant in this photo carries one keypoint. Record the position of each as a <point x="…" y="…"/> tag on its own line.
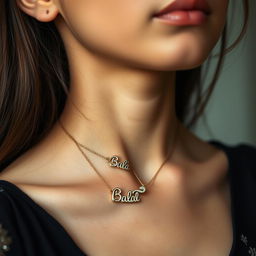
<point x="132" y="196"/>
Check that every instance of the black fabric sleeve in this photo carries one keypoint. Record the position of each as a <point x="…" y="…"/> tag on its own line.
<point x="9" y="231"/>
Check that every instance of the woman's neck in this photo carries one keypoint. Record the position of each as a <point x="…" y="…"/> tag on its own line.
<point x="130" y="113"/>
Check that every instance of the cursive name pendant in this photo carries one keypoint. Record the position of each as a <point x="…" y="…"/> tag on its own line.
<point x="113" y="161"/>
<point x="133" y="196"/>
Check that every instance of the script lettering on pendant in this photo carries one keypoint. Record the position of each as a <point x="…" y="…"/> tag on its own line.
<point x="132" y="196"/>
<point x="121" y="165"/>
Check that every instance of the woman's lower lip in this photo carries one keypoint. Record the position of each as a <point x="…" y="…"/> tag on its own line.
<point x="183" y="18"/>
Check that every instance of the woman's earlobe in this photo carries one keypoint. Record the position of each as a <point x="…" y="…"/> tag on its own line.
<point x="43" y="10"/>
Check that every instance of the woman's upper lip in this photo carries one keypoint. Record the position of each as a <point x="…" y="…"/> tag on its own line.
<point x="185" y="5"/>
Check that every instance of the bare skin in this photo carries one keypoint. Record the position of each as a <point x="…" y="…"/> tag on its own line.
<point x="186" y="211"/>
<point x="125" y="86"/>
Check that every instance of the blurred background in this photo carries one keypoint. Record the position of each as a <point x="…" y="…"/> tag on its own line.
<point x="230" y="115"/>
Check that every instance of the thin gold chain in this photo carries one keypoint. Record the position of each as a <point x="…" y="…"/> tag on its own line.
<point x="146" y="185"/>
<point x="107" y="158"/>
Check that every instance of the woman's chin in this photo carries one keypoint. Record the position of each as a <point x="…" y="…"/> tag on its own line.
<point x="170" y="64"/>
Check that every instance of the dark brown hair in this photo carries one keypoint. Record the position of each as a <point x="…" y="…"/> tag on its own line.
<point x="34" y="80"/>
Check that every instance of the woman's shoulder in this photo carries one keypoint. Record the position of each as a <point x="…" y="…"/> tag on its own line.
<point x="242" y="174"/>
<point x="241" y="154"/>
<point x="23" y="223"/>
<point x="242" y="168"/>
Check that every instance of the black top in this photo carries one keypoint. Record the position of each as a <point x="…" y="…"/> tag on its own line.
<point x="34" y="232"/>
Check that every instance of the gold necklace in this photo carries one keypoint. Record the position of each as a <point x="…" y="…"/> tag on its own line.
<point x="132" y="196"/>
<point x="113" y="160"/>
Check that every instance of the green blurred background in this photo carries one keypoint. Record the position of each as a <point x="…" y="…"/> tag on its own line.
<point x="230" y="115"/>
